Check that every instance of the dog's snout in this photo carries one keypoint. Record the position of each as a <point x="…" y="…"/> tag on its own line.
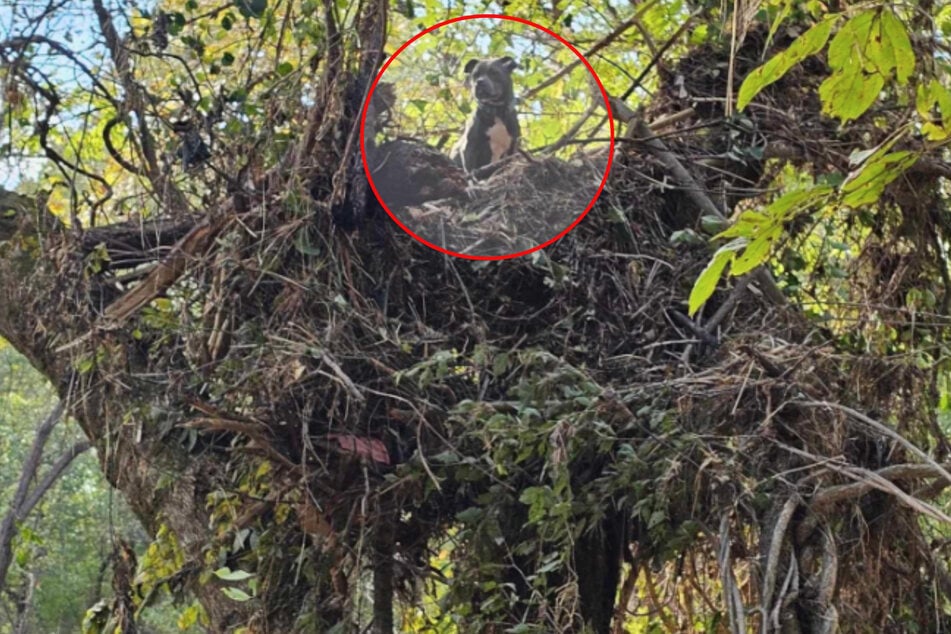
<point x="483" y="88"/>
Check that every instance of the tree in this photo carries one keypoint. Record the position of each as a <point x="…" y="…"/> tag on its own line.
<point x="57" y="539"/>
<point x="25" y="499"/>
<point x="309" y="411"/>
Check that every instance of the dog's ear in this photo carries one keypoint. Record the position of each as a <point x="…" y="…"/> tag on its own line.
<point x="508" y="63"/>
<point x="470" y="65"/>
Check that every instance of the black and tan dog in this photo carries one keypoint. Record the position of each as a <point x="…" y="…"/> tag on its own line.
<point x="492" y="132"/>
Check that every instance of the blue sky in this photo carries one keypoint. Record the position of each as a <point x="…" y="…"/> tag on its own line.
<point x="72" y="25"/>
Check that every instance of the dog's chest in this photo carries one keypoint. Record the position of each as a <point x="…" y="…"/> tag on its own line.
<point x="500" y="139"/>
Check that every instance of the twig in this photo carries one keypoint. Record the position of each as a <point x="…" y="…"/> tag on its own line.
<point x="772" y="559"/>
<point x="727" y="305"/>
<point x="731" y="594"/>
<point x="870" y="479"/>
<point x="340" y="374"/>
<point x="839" y="493"/>
<point x="826" y="585"/>
<point x="689" y="324"/>
<point x="696" y="194"/>
<point x="605" y="41"/>
<point x="656" y="57"/>
<point x="884" y="429"/>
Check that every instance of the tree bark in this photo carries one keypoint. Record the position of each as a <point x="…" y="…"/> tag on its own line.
<point x="46" y="319"/>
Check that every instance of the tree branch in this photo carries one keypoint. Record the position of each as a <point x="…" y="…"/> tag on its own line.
<point x="27" y="473"/>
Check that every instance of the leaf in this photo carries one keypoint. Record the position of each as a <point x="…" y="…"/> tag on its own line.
<point x="895" y="41"/>
<point x="500" y="364"/>
<point x="531" y="495"/>
<point x="686" y="236"/>
<point x="707" y="281"/>
<point x="783" y="13"/>
<point x="755" y="233"/>
<point x="539" y="500"/>
<point x="236" y="595"/>
<point x="713" y="224"/>
<point x="657" y="517"/>
<point x="879" y="42"/>
<point x="809" y="43"/>
<point x="787" y="205"/>
<point x="227" y="574"/>
<point x="747" y="225"/>
<point x="866" y="186"/>
<point x="446" y="457"/>
<point x="470" y="515"/>
<point x="849" y="43"/>
<point x="933" y="104"/>
<point x="848" y="94"/>
<point x="757" y="251"/>
<point x="371" y="448"/>
<point x="189" y="617"/>
<point x="252" y="8"/>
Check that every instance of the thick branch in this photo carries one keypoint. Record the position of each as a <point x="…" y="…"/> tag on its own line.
<point x="59" y="467"/>
<point x="17" y="505"/>
<point x="840" y="493"/>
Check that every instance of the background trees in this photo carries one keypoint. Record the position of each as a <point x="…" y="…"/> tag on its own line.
<point x="320" y="427"/>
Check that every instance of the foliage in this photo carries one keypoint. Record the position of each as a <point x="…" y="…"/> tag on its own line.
<point x="871" y="51"/>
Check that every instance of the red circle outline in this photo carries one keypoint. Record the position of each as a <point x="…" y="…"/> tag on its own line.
<point x="363" y="123"/>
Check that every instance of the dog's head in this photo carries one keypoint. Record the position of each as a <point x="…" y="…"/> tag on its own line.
<point x="490" y="80"/>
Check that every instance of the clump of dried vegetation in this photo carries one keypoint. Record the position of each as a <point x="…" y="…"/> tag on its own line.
<point x="558" y="419"/>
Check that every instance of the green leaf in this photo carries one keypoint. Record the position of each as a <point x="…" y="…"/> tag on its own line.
<point x="707" y="281"/>
<point x="895" y="41"/>
<point x="848" y="94"/>
<point x="809" y="43"/>
<point x="236" y="595"/>
<point x="176" y="22"/>
<point x="446" y="457"/>
<point x="783" y="13"/>
<point x="470" y="515"/>
<point x="757" y="251"/>
<point x="866" y="185"/>
<point x="787" y="205"/>
<point x="933" y="103"/>
<point x="539" y="500"/>
<point x="189" y="617"/>
<point x="227" y="574"/>
<point x="878" y="41"/>
<point x="500" y="364"/>
<point x="531" y="495"/>
<point x="713" y="224"/>
<point x="686" y="236"/>
<point x="657" y="517"/>
<point x="747" y="225"/>
<point x="849" y="43"/>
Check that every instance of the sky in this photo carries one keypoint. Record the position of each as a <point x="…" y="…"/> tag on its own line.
<point x="71" y="24"/>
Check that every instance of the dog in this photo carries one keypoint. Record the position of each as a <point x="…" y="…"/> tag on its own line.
<point x="492" y="131"/>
